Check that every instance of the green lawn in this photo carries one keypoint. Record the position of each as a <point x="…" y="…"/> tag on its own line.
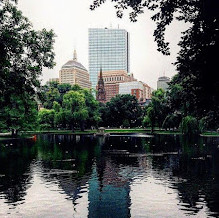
<point x="212" y="134"/>
<point x="134" y="130"/>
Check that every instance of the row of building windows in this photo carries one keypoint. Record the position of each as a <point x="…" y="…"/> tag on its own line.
<point x="117" y="78"/>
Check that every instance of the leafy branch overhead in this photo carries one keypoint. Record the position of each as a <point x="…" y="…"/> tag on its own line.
<point x="165" y="11"/>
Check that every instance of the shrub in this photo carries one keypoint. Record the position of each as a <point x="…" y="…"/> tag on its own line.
<point x="189" y="125"/>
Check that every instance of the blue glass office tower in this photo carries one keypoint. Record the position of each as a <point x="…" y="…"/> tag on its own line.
<point x="109" y="49"/>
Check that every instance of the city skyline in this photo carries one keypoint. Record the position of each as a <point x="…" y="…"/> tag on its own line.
<point x="71" y="21"/>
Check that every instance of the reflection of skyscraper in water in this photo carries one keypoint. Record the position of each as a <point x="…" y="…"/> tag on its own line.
<point x="108" y="191"/>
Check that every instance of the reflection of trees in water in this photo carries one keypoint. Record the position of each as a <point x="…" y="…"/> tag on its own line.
<point x="80" y="153"/>
<point x="194" y="173"/>
<point x="15" y="163"/>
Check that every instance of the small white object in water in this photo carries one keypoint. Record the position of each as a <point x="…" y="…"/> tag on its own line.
<point x="59" y="143"/>
<point x="136" y="146"/>
<point x="66" y="152"/>
<point x="111" y="145"/>
<point x="11" y="144"/>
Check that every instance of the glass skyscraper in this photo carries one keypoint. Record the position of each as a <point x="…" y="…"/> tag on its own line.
<point x="109" y="49"/>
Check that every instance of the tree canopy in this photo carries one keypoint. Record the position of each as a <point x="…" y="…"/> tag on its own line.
<point x="122" y="110"/>
<point x="23" y="54"/>
<point x="195" y="89"/>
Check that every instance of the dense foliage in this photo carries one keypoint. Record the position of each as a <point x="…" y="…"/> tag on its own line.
<point x="194" y="91"/>
<point x="23" y="54"/>
<point x="68" y="107"/>
<point x="121" y="111"/>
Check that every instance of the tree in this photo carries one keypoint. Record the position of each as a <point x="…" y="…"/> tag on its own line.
<point x="172" y="120"/>
<point x="75" y="109"/>
<point x="159" y="105"/>
<point x="46" y="118"/>
<point x="197" y="83"/>
<point x="150" y="118"/>
<point x="19" y="114"/>
<point x="51" y="95"/>
<point x="92" y="107"/>
<point x="189" y="125"/>
<point x="23" y="54"/>
<point x="157" y="110"/>
<point x="123" y="109"/>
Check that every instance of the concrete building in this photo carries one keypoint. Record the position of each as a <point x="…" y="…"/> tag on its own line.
<point x="112" y="79"/>
<point x="162" y="83"/>
<point x="147" y="91"/>
<point x="109" y="50"/>
<point x="73" y="72"/>
<point x="137" y="88"/>
<point x="133" y="88"/>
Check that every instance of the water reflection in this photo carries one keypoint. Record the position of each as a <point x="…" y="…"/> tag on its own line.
<point x="116" y="176"/>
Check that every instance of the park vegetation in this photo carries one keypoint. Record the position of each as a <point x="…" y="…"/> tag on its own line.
<point x="191" y="104"/>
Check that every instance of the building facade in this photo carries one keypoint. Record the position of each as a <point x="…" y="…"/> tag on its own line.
<point x="112" y="79"/>
<point x="162" y="83"/>
<point x="137" y="88"/>
<point x="54" y="80"/>
<point x="73" y="72"/>
<point x="109" y="50"/>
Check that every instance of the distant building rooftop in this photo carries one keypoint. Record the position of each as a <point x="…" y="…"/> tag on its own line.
<point x="163" y="78"/>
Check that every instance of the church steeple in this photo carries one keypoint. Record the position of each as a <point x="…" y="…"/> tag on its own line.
<point x="101" y="93"/>
<point x="75" y="55"/>
<point x="101" y="74"/>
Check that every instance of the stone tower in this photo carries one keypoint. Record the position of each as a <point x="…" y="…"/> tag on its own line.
<point x="101" y="93"/>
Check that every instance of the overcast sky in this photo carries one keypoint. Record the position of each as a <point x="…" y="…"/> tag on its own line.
<point x="70" y="19"/>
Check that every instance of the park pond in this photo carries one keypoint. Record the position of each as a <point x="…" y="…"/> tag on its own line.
<point x="114" y="176"/>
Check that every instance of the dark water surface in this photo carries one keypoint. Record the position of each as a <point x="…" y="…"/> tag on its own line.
<point x="116" y="176"/>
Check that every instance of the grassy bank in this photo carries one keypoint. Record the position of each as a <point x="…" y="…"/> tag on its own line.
<point x="27" y="134"/>
<point x="210" y="134"/>
<point x="133" y="130"/>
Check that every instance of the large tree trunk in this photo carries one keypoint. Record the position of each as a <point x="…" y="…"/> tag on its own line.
<point x="14" y="133"/>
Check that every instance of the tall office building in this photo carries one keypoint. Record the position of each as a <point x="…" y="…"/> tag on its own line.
<point x="109" y="49"/>
<point x="163" y="83"/>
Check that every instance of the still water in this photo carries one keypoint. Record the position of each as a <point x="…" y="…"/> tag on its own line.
<point x="116" y="176"/>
